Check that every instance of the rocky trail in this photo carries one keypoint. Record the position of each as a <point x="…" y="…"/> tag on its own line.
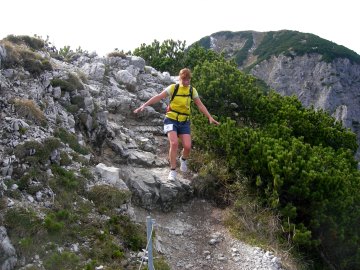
<point x="193" y="236"/>
<point x="191" y="233"/>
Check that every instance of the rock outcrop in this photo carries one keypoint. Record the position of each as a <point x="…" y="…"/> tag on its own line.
<point x="85" y="103"/>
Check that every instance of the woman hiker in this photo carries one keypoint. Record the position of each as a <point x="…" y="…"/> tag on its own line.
<point x="177" y="122"/>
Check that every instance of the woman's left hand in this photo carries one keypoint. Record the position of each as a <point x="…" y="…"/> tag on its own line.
<point x="213" y="121"/>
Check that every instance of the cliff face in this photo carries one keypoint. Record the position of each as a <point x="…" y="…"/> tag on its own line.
<point x="333" y="86"/>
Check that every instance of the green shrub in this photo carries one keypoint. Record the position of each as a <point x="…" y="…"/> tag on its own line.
<point x="28" y="150"/>
<point x="131" y="234"/>
<point x="50" y="144"/>
<point x="105" y="250"/>
<point x="213" y="178"/>
<point x="71" y="139"/>
<point x="35" y="64"/>
<point x="78" y="101"/>
<point x="197" y="55"/>
<point x="107" y="197"/>
<point x="9" y="192"/>
<point x="167" y="56"/>
<point x="79" y="158"/>
<point x="65" y="178"/>
<point x="70" y="84"/>
<point x="22" y="130"/>
<point x="65" y="160"/>
<point x="24" y="229"/>
<point x="315" y="127"/>
<point x="223" y="85"/>
<point x="67" y="54"/>
<point x="72" y="108"/>
<point x="63" y="260"/>
<point x="35" y="152"/>
<point x="52" y="225"/>
<point x="86" y="173"/>
<point x="32" y="180"/>
<point x="63" y="84"/>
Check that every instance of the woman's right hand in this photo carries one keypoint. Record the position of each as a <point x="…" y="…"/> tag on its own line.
<point x="140" y="109"/>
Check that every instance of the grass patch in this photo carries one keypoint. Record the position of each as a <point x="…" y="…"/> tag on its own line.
<point x="120" y="54"/>
<point x="161" y="264"/>
<point x="35" y="152"/>
<point x="71" y="139"/>
<point x="20" y="53"/>
<point x="66" y="178"/>
<point x="25" y="229"/>
<point x="32" y="42"/>
<point x="65" y="159"/>
<point x="28" y="109"/>
<point x="63" y="260"/>
<point x="213" y="179"/>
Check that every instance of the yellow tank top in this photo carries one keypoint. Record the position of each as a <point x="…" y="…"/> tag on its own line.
<point x="180" y="105"/>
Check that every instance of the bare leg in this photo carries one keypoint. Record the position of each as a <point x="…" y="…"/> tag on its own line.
<point x="186" y="143"/>
<point x="174" y="144"/>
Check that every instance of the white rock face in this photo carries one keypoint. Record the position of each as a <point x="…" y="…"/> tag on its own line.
<point x="94" y="70"/>
<point x="110" y="175"/>
<point x="125" y="77"/>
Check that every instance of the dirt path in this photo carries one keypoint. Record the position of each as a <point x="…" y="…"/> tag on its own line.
<point x="193" y="237"/>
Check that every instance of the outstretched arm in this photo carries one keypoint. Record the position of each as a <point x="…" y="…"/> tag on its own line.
<point x="152" y="100"/>
<point x="203" y="109"/>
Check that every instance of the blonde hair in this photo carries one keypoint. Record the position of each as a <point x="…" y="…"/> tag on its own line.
<point x="185" y="73"/>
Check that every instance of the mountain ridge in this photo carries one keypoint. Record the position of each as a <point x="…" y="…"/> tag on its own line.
<point x="262" y="45"/>
<point x="320" y="73"/>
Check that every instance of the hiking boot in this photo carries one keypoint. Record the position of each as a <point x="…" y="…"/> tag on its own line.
<point x="172" y="175"/>
<point x="183" y="164"/>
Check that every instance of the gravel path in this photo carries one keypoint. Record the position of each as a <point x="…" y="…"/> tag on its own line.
<point x="193" y="237"/>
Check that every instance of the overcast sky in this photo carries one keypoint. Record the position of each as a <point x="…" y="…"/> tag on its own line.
<point x="104" y="25"/>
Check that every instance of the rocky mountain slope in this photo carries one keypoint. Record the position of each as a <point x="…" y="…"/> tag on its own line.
<point x="75" y="162"/>
<point x="320" y="73"/>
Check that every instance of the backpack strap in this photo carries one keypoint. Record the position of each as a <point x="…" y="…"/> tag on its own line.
<point x="176" y="88"/>
<point x="175" y="92"/>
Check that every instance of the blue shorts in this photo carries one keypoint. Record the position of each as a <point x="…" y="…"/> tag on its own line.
<point x="178" y="127"/>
